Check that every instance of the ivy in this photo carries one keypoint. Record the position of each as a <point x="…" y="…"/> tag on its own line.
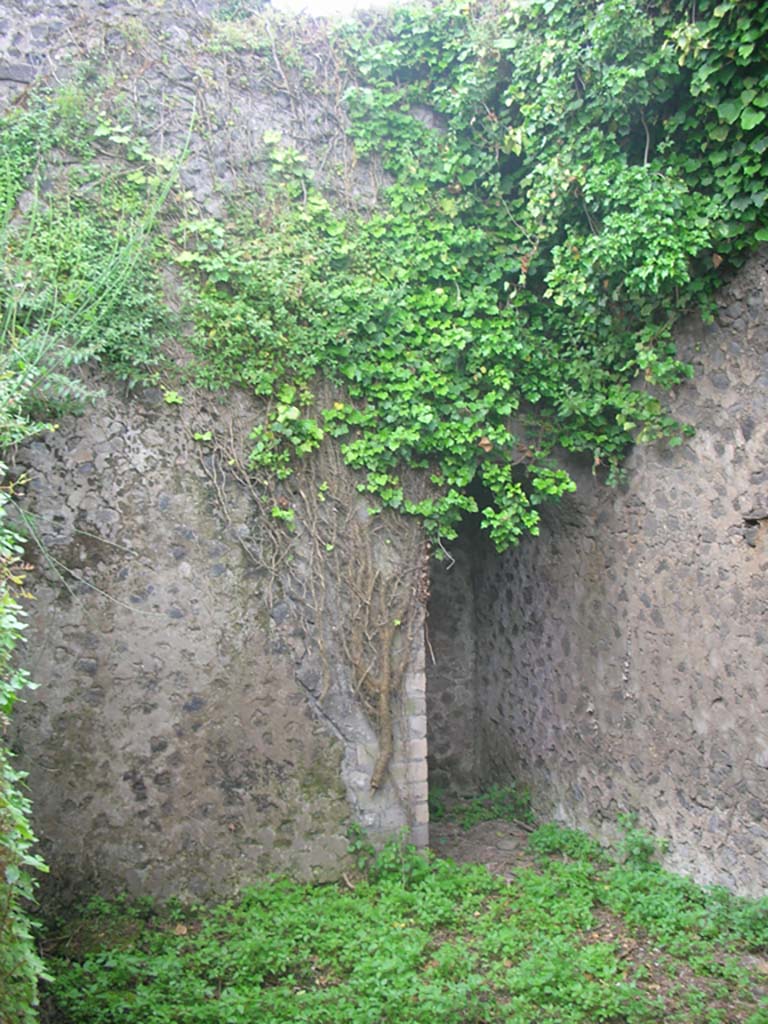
<point x="566" y="180"/>
<point x="20" y="965"/>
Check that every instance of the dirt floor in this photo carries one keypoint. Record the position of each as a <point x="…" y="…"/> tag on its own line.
<point x="500" y="845"/>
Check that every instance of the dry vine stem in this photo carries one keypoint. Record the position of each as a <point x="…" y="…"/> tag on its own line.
<point x="357" y="577"/>
<point x="363" y="589"/>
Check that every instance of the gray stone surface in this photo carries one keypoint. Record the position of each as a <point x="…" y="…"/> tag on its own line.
<point x="184" y="737"/>
<point x="179" y="741"/>
<point x="452" y="697"/>
<point x="198" y="721"/>
<point x="188" y="82"/>
<point x="621" y="656"/>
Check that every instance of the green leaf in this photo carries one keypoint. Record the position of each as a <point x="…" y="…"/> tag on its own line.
<point x="729" y="110"/>
<point x="751" y="117"/>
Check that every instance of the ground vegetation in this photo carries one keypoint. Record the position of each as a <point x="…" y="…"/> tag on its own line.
<point x="573" y="936"/>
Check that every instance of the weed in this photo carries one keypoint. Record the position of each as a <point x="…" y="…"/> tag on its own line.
<point x="550" y="838"/>
<point x="505" y="803"/>
<point x="438" y="807"/>
<point x="638" y="847"/>
<point x="415" y="940"/>
<point x="360" y="846"/>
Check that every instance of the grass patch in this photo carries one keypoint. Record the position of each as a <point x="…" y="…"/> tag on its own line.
<point x="579" y="939"/>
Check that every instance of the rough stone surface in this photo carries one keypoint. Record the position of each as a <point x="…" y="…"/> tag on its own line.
<point x="193" y="84"/>
<point x="621" y="656"/>
<point x="175" y="744"/>
<point x="184" y="738"/>
<point x="452" y="697"/>
<point x="196" y="724"/>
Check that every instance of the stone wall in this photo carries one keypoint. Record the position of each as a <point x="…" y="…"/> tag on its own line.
<point x="622" y="656"/>
<point x="192" y="83"/>
<point x="452" y="695"/>
<point x="183" y="738"/>
<point x="198" y="722"/>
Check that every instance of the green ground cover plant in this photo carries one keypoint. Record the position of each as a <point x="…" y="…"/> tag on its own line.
<point x="497" y="803"/>
<point x="419" y="939"/>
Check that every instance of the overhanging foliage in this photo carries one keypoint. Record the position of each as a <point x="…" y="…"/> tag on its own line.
<point x="567" y="179"/>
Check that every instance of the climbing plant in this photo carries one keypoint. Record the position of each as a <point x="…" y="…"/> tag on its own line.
<point x="20" y="965"/>
<point x="566" y="179"/>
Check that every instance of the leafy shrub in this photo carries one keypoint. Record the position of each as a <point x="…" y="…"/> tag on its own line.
<point x="637" y="846"/>
<point x="552" y="838"/>
<point x="20" y="966"/>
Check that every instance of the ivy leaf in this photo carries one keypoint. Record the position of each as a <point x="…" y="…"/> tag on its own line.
<point x="751" y="117"/>
<point x="729" y="111"/>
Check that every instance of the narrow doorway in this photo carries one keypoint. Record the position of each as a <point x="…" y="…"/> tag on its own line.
<point x="452" y="699"/>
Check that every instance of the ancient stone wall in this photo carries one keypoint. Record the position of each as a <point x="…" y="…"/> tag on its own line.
<point x="622" y="656"/>
<point x="198" y="723"/>
<point x="452" y="695"/>
<point x="185" y="737"/>
<point x="192" y="83"/>
<point x="200" y="720"/>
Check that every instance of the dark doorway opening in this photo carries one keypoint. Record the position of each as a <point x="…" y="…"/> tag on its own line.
<point x="453" y="708"/>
